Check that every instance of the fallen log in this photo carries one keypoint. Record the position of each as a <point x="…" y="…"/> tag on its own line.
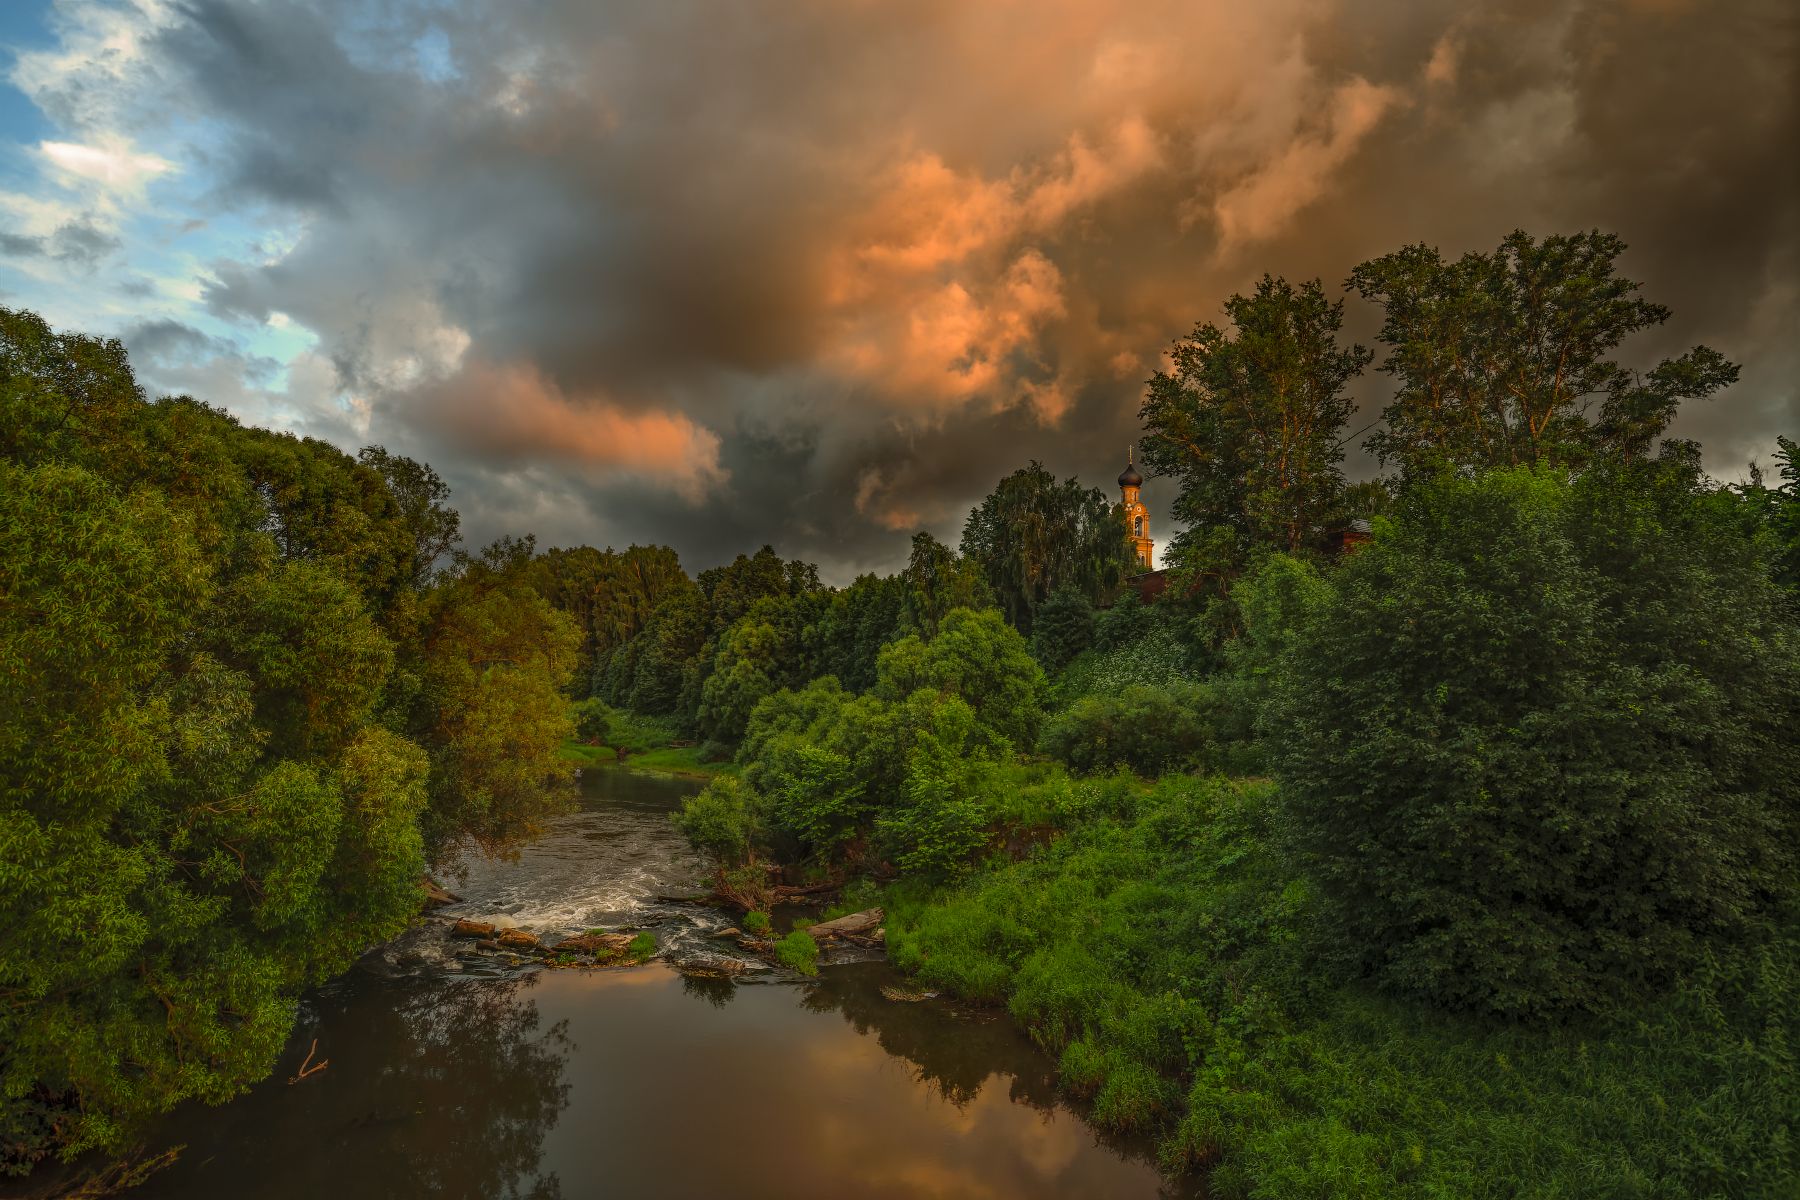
<point x="436" y="894"/>
<point x="854" y="925"/>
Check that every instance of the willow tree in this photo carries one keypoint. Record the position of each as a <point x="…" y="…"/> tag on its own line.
<point x="1033" y="535"/>
<point x="1250" y="421"/>
<point x="1504" y="359"/>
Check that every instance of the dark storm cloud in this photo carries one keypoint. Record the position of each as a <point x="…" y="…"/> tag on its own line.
<point x="78" y="243"/>
<point x="819" y="274"/>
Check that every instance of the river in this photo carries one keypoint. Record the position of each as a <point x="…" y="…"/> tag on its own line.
<point x="456" y="1074"/>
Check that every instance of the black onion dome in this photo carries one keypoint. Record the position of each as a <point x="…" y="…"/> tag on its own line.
<point x="1130" y="477"/>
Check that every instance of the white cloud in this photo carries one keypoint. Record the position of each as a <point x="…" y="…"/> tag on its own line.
<point x="113" y="164"/>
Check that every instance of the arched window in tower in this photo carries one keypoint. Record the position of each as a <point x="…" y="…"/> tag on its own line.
<point x="1139" y="527"/>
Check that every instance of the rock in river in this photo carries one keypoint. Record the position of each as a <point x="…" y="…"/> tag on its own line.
<point x="472" y="929"/>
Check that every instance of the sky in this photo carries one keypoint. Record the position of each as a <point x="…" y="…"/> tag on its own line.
<point x="819" y="272"/>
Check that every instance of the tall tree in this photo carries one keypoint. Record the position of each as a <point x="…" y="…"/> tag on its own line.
<point x="1033" y="535"/>
<point x="1250" y="422"/>
<point x="937" y="579"/>
<point x="423" y="499"/>
<point x="1504" y="359"/>
<point x="1536" y="741"/>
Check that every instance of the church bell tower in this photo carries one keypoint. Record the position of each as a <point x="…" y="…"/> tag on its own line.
<point x="1137" y="517"/>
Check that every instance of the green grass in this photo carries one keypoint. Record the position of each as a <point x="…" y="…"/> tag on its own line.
<point x="799" y="951"/>
<point x="648" y="745"/>
<point x="1162" y="951"/>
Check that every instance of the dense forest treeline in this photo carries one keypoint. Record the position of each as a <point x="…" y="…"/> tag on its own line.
<point x="1462" y="859"/>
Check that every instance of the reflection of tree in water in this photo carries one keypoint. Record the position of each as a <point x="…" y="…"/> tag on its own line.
<point x="445" y="1089"/>
<point x="716" y="990"/>
<point x="484" y="1085"/>
<point x="954" y="1053"/>
<point x="954" y="1048"/>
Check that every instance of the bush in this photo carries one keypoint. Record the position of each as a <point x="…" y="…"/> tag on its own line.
<point x="1538" y="746"/>
<point x="1124" y="622"/>
<point x="757" y="923"/>
<point x="1150" y="730"/>
<point x="798" y="951"/>
<point x="1159" y="658"/>
<point x="723" y="820"/>
<point x="593" y="721"/>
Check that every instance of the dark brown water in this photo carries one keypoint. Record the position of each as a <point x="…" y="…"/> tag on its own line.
<point x="459" y="1076"/>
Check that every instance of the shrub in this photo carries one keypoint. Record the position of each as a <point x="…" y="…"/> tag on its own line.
<point x="1538" y="746"/>
<point x="593" y="721"/>
<point x="798" y="951"/>
<point x="1150" y="730"/>
<point x="1124" y="622"/>
<point x="757" y="923"/>
<point x="723" y="820"/>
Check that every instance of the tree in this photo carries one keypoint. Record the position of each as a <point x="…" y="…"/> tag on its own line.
<point x="1536" y="747"/>
<point x="1503" y="359"/>
<point x="219" y="654"/>
<point x="1250" y="421"/>
<point x="979" y="658"/>
<point x="629" y="586"/>
<point x="1775" y="512"/>
<point x="492" y="711"/>
<point x="1063" y="628"/>
<point x="1032" y="535"/>
<point x="938" y="580"/>
<point x="422" y="497"/>
<point x="858" y="621"/>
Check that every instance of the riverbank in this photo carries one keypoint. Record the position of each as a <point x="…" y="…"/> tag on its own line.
<point x="1162" y="948"/>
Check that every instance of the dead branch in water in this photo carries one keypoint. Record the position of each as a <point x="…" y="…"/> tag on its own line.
<point x="305" y="1070"/>
<point x="115" y="1177"/>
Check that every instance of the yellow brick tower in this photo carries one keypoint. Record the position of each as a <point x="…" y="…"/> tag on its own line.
<point x="1137" y="517"/>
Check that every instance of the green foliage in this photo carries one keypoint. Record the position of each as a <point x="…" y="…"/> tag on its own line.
<point x="1270" y="605"/>
<point x="978" y="657"/>
<point x="593" y="721"/>
<point x="1500" y="357"/>
<point x="757" y="923"/>
<point x="642" y="947"/>
<point x="725" y="820"/>
<point x="1152" y="730"/>
<point x="1165" y="952"/>
<point x="1537" y="745"/>
<point x="1250" y="421"/>
<point x="231" y="682"/>
<point x="857" y="623"/>
<point x="1158" y="657"/>
<point x="1124" y="621"/>
<point x="492" y="711"/>
<point x="938" y="581"/>
<point x="1775" y="513"/>
<point x="1062" y="628"/>
<point x="1033" y="535"/>
<point x="901" y="773"/>
<point x="799" y="952"/>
